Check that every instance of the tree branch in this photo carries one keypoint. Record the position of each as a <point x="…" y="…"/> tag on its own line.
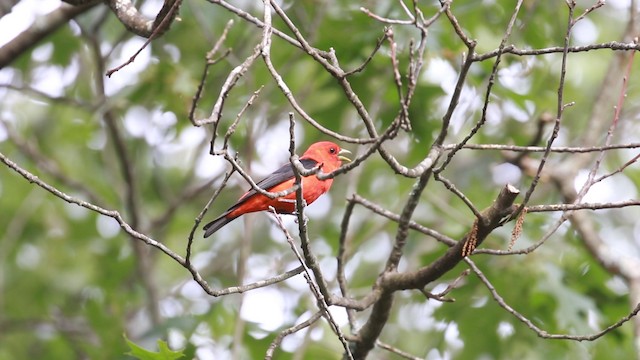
<point x="42" y="27"/>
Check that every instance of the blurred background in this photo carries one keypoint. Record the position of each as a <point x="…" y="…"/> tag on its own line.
<point x="72" y="282"/>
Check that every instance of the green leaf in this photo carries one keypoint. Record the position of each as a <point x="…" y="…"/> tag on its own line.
<point x="143" y="354"/>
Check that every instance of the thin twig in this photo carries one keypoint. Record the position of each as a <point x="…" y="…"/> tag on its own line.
<point x="292" y="330"/>
<point x="542" y="333"/>
<point x="210" y="61"/>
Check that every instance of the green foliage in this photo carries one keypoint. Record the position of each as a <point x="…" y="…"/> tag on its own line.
<point x="164" y="352"/>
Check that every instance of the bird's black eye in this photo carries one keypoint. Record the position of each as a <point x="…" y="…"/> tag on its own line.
<point x="332" y="150"/>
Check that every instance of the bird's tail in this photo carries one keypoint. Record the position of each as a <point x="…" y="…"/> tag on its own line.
<point x="216" y="224"/>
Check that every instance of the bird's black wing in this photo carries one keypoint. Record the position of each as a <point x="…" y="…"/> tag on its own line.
<point x="284" y="173"/>
<point x="281" y="175"/>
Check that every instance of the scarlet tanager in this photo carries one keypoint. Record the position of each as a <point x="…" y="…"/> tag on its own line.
<point x="325" y="155"/>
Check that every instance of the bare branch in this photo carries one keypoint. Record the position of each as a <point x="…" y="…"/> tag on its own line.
<point x="41" y="28"/>
<point x="559" y="111"/>
<point x="553" y="149"/>
<point x="109" y="213"/>
<point x="210" y="60"/>
<point x="140" y="25"/>
<point x="543" y="334"/>
<point x="292" y="330"/>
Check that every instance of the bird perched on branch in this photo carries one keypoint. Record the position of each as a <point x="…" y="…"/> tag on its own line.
<point x="324" y="155"/>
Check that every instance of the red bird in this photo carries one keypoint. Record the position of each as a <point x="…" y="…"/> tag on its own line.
<point x="325" y="154"/>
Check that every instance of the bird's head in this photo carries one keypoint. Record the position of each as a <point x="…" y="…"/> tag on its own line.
<point x="327" y="153"/>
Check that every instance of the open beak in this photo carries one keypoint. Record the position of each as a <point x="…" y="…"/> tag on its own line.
<point x="341" y="155"/>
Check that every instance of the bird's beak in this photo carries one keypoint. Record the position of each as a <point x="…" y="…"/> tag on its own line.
<point x="341" y="153"/>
